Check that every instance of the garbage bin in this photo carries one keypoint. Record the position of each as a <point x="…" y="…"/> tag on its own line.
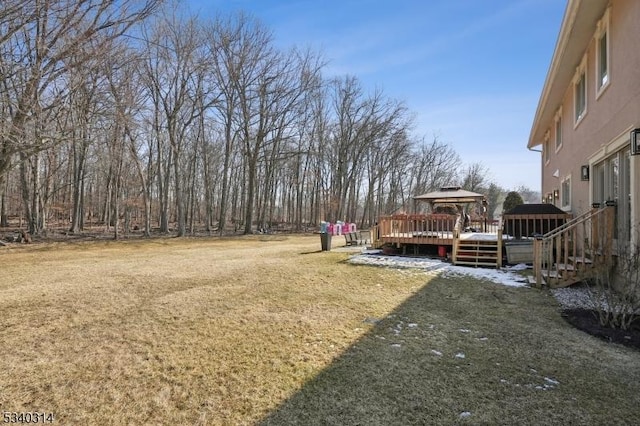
<point x="325" y="241"/>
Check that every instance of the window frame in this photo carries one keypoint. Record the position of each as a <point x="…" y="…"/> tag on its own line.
<point x="612" y="180"/>
<point x="546" y="149"/>
<point x="603" y="79"/>
<point x="557" y="126"/>
<point x="580" y="86"/>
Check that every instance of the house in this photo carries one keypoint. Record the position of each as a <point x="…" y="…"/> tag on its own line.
<point x="589" y="113"/>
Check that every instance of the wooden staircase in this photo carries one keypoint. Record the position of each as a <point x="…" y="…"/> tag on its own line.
<point x="574" y="251"/>
<point x="470" y="252"/>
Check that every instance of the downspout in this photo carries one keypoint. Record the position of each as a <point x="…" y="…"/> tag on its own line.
<point x="541" y="173"/>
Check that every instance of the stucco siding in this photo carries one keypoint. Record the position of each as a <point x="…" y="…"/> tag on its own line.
<point x="610" y="114"/>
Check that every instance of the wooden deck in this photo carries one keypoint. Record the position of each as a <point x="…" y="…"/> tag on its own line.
<point x="433" y="229"/>
<point x="410" y="232"/>
<point x="480" y="244"/>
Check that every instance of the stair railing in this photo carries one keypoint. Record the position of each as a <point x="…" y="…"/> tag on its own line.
<point x="589" y="234"/>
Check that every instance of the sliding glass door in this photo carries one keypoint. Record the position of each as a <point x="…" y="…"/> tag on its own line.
<point x="612" y="182"/>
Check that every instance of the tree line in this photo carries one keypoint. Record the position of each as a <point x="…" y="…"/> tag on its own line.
<point x="130" y="115"/>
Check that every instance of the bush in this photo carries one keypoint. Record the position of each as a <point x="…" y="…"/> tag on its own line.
<point x="513" y="199"/>
<point x="614" y="292"/>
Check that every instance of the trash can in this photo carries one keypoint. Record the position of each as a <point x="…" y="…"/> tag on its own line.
<point x="325" y="241"/>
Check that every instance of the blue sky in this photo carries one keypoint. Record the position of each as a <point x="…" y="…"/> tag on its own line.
<point x="471" y="71"/>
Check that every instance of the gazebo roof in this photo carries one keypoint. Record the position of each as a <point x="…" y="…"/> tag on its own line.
<point x="450" y="195"/>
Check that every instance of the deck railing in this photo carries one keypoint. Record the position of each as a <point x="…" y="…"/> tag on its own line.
<point x="481" y="225"/>
<point x="528" y="225"/>
<point x="415" y="228"/>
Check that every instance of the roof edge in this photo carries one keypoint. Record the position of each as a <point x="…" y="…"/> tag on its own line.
<point x="568" y="22"/>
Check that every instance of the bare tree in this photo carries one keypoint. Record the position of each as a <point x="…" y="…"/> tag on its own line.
<point x="494" y="194"/>
<point x="175" y="73"/>
<point x="433" y="165"/>
<point x="361" y="122"/>
<point x="194" y="122"/>
<point x="235" y="46"/>
<point x="475" y="178"/>
<point x="268" y="109"/>
<point x="41" y="42"/>
<point x="129" y="99"/>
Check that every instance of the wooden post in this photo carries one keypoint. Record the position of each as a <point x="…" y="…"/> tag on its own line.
<point x="537" y="261"/>
<point x="454" y="250"/>
<point x="595" y="232"/>
<point x="499" y="260"/>
<point x="609" y="223"/>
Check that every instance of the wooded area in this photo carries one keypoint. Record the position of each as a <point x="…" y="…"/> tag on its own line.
<point x="127" y="115"/>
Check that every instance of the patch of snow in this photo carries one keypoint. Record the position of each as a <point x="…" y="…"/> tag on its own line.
<point x="498" y="276"/>
<point x="483" y="339"/>
<point x="465" y="414"/>
<point x="518" y="267"/>
<point x="551" y="381"/>
<point x="437" y="353"/>
<point x="396" y="345"/>
<point x="412" y="325"/>
<point x="505" y="276"/>
<point x="460" y="355"/>
<point x="464" y="330"/>
<point x="397" y="261"/>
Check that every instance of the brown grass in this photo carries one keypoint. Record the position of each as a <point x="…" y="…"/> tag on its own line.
<point x="270" y="330"/>
<point x="179" y="331"/>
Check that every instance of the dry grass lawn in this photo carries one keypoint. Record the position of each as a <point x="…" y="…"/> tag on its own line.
<point x="270" y="330"/>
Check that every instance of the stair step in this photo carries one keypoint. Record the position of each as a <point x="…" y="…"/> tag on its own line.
<point x="462" y="262"/>
<point x="564" y="267"/>
<point x="566" y="282"/>
<point x="479" y="258"/>
<point x="550" y="274"/>
<point x="579" y="259"/>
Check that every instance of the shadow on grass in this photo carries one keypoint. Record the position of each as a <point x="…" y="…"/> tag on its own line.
<point x="311" y="252"/>
<point x="461" y="351"/>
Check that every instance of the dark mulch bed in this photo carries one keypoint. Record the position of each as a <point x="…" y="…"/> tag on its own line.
<point x="587" y="321"/>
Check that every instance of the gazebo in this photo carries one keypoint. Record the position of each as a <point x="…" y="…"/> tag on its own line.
<point x="451" y="195"/>
<point x="443" y="232"/>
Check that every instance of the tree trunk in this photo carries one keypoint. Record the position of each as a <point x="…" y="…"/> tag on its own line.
<point x="250" y="194"/>
<point x="4" y="219"/>
<point x="79" y="161"/>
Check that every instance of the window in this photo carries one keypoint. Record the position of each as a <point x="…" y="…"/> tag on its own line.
<point x="545" y="149"/>
<point x="558" y="132"/>
<point x="565" y="193"/>
<point x="580" y="95"/>
<point x="602" y="54"/>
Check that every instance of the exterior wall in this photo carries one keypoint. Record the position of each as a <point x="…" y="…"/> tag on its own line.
<point x="610" y="115"/>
